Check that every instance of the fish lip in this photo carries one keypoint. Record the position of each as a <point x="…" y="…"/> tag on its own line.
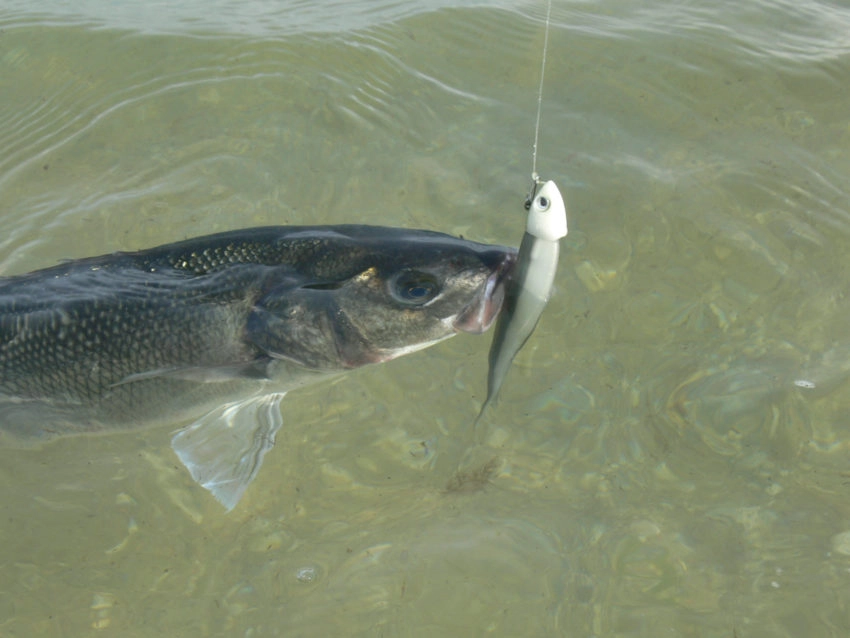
<point x="479" y="315"/>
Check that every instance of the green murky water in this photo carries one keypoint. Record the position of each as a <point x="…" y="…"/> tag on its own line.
<point x="670" y="455"/>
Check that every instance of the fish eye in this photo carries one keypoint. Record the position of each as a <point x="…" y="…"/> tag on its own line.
<point x="415" y="288"/>
<point x="543" y="202"/>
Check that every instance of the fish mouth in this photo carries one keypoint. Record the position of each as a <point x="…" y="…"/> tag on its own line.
<point x="483" y="310"/>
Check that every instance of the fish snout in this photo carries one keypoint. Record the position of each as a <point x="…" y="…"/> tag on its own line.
<point x="479" y="315"/>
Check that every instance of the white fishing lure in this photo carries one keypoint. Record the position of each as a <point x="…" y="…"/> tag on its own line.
<point x="529" y="289"/>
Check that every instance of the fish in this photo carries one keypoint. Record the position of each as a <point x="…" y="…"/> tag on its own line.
<point x="530" y="284"/>
<point x="214" y="331"/>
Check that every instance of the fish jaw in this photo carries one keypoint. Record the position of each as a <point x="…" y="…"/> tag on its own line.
<point x="480" y="314"/>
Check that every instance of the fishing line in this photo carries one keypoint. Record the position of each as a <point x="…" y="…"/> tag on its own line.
<point x="534" y="177"/>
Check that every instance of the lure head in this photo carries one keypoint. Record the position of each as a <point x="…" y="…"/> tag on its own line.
<point x="547" y="215"/>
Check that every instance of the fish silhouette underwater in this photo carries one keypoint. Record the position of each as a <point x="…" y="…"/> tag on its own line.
<point x="215" y="330"/>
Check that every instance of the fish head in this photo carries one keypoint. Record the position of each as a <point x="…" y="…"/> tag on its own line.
<point x="380" y="293"/>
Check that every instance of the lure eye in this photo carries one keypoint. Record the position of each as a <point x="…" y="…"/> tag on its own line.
<point x="414" y="288"/>
<point x="543" y="203"/>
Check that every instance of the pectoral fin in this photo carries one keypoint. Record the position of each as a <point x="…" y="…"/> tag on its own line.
<point x="223" y="450"/>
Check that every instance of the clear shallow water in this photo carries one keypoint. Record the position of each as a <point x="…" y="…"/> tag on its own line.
<point x="670" y="454"/>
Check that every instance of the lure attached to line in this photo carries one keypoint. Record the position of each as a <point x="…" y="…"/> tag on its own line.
<point x="529" y="288"/>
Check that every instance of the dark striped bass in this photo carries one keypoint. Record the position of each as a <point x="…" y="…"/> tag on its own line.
<point x="215" y="330"/>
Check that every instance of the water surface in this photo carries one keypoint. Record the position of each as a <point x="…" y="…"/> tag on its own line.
<point x="670" y="452"/>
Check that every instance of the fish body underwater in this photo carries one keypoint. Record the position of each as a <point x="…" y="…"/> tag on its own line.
<point x="217" y="329"/>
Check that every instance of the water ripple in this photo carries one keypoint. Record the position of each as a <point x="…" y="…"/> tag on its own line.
<point x="218" y="17"/>
<point x="797" y="32"/>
